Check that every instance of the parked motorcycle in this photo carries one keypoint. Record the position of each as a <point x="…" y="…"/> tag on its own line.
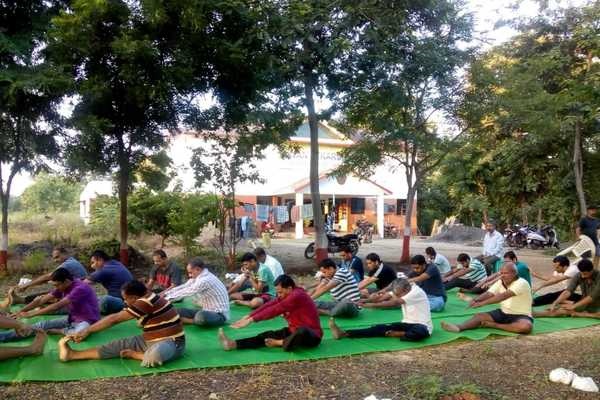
<point x="545" y="237"/>
<point x="516" y="236"/>
<point x="390" y="231"/>
<point x="364" y="230"/>
<point x="334" y="243"/>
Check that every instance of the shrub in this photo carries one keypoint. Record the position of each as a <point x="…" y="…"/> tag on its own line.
<point x="36" y="262"/>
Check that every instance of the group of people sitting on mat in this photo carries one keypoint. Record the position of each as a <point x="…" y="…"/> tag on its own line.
<point x="494" y="277"/>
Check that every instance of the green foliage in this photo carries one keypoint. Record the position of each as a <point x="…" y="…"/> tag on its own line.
<point x="51" y="193"/>
<point x="35" y="263"/>
<point x="149" y="212"/>
<point x="110" y="247"/>
<point x="104" y="216"/>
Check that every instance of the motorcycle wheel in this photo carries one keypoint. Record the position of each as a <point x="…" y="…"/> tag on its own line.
<point x="534" y="245"/>
<point x="309" y="252"/>
<point x="354" y="246"/>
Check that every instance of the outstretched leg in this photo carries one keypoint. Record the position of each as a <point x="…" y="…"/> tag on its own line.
<point x="35" y="348"/>
<point x="521" y="326"/>
<point x="66" y="353"/>
<point x="473" y="323"/>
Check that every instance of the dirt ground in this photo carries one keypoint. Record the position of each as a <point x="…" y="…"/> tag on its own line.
<point x="502" y="368"/>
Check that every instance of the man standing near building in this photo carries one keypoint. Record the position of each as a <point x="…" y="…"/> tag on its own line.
<point x="270" y="261"/>
<point x="209" y="293"/>
<point x="493" y="246"/>
<point x="343" y="288"/>
<point x="112" y="275"/>
<point x="352" y="263"/>
<point x="165" y="274"/>
<point x="588" y="226"/>
<point x="293" y="304"/>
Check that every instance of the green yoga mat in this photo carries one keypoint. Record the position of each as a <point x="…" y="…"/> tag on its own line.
<point x="203" y="349"/>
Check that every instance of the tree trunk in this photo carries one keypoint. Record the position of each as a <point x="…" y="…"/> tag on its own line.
<point x="315" y="195"/>
<point x="4" y="200"/>
<point x="123" y="191"/>
<point x="410" y="199"/>
<point x="578" y="168"/>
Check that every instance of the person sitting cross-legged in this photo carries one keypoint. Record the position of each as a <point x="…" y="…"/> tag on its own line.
<point x="352" y="262"/>
<point x="559" y="281"/>
<point x="34" y="349"/>
<point x="514" y="315"/>
<point x="112" y="275"/>
<point x="270" y="261"/>
<point x="70" y="293"/>
<point x="162" y="339"/>
<point x="469" y="273"/>
<point x="296" y="306"/>
<point x="416" y="322"/>
<point x="588" y="280"/>
<point x="428" y="277"/>
<point x="485" y="284"/>
<point x="165" y="274"/>
<point x="209" y="293"/>
<point x="262" y="283"/>
<point x="440" y="261"/>
<point x="341" y="284"/>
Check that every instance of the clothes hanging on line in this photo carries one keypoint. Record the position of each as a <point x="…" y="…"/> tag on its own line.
<point x="307" y="211"/>
<point x="249" y="208"/>
<point x="262" y="212"/>
<point x="281" y="214"/>
<point x="296" y="213"/>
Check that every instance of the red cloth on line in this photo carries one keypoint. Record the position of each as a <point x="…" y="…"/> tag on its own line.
<point x="298" y="308"/>
<point x="295" y="214"/>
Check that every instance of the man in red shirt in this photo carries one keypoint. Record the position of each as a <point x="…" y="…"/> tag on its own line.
<point x="296" y="306"/>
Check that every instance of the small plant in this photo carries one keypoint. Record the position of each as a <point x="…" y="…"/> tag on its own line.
<point x="35" y="263"/>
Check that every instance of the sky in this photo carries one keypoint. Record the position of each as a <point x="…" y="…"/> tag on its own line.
<point x="486" y="14"/>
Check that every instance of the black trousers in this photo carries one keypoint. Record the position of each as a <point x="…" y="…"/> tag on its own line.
<point x="460" y="283"/>
<point x="412" y="332"/>
<point x="549" y="298"/>
<point x="302" y="337"/>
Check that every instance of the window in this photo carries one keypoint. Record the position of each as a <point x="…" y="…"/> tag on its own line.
<point x="389" y="208"/>
<point x="401" y="207"/>
<point x="357" y="206"/>
<point x="264" y="200"/>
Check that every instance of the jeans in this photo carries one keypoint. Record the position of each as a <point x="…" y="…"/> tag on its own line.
<point x="549" y="298"/>
<point x="412" y="332"/>
<point x="201" y="317"/>
<point x="111" y="304"/>
<point x="436" y="303"/>
<point x="302" y="337"/>
<point x="68" y="328"/>
<point x="460" y="283"/>
<point x="344" y="308"/>
<point x="155" y="353"/>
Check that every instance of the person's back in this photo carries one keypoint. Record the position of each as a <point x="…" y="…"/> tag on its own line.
<point x="76" y="269"/>
<point x="113" y="275"/>
<point x="385" y="276"/>
<point x="274" y="265"/>
<point x="442" y="263"/>
<point x="265" y="275"/>
<point x="589" y="287"/>
<point x="432" y="286"/>
<point x="83" y="305"/>
<point x="415" y="309"/>
<point x="347" y="287"/>
<point x="300" y="310"/>
<point x="212" y="290"/>
<point x="157" y="317"/>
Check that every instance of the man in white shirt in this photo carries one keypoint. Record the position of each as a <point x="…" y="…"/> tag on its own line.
<point x="514" y="315"/>
<point x="416" y="323"/>
<point x="559" y="281"/>
<point x="493" y="246"/>
<point x="271" y="262"/>
<point x="209" y="293"/>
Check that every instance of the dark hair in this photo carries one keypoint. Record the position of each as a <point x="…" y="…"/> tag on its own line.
<point x="134" y="288"/>
<point x="327" y="263"/>
<point x="430" y="251"/>
<point x="285" y="281"/>
<point x="418" y="259"/>
<point x="196" y="262"/>
<point x="260" y="252"/>
<point x="160" y="253"/>
<point x="585" y="265"/>
<point x="61" y="275"/>
<point x="248" y="257"/>
<point x="462" y="257"/>
<point x="510" y="254"/>
<point x="345" y="249"/>
<point x="61" y="249"/>
<point x="563" y="261"/>
<point x="101" y="255"/>
<point x="373" y="257"/>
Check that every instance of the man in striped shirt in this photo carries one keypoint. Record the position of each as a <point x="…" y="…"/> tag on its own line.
<point x="209" y="293"/>
<point x="342" y="285"/>
<point x="162" y="339"/>
<point x="468" y="274"/>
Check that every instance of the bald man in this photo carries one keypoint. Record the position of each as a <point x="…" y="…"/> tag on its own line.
<point x="514" y="315"/>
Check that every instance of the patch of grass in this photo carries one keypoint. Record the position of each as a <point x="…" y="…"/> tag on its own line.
<point x="35" y="263"/>
<point x="426" y="387"/>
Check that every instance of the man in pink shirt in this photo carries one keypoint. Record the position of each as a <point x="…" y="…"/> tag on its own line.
<point x="296" y="306"/>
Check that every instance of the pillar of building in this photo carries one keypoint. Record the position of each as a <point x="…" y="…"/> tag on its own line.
<point x="299" y="224"/>
<point x="380" y="214"/>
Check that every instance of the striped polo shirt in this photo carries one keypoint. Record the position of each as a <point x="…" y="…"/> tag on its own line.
<point x="157" y="317"/>
<point x="477" y="272"/>
<point x="347" y="288"/>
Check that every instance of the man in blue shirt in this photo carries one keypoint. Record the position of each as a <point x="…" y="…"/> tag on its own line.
<point x="352" y="263"/>
<point x="112" y="275"/>
<point x="428" y="277"/>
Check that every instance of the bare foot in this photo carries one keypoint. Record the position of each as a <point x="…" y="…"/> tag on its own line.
<point x="464" y="297"/>
<point x="336" y="332"/>
<point x="273" y="342"/>
<point x="447" y="326"/>
<point x="14" y="298"/>
<point x="487" y="324"/>
<point x="37" y="347"/>
<point x="64" y="351"/>
<point x="227" y="343"/>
